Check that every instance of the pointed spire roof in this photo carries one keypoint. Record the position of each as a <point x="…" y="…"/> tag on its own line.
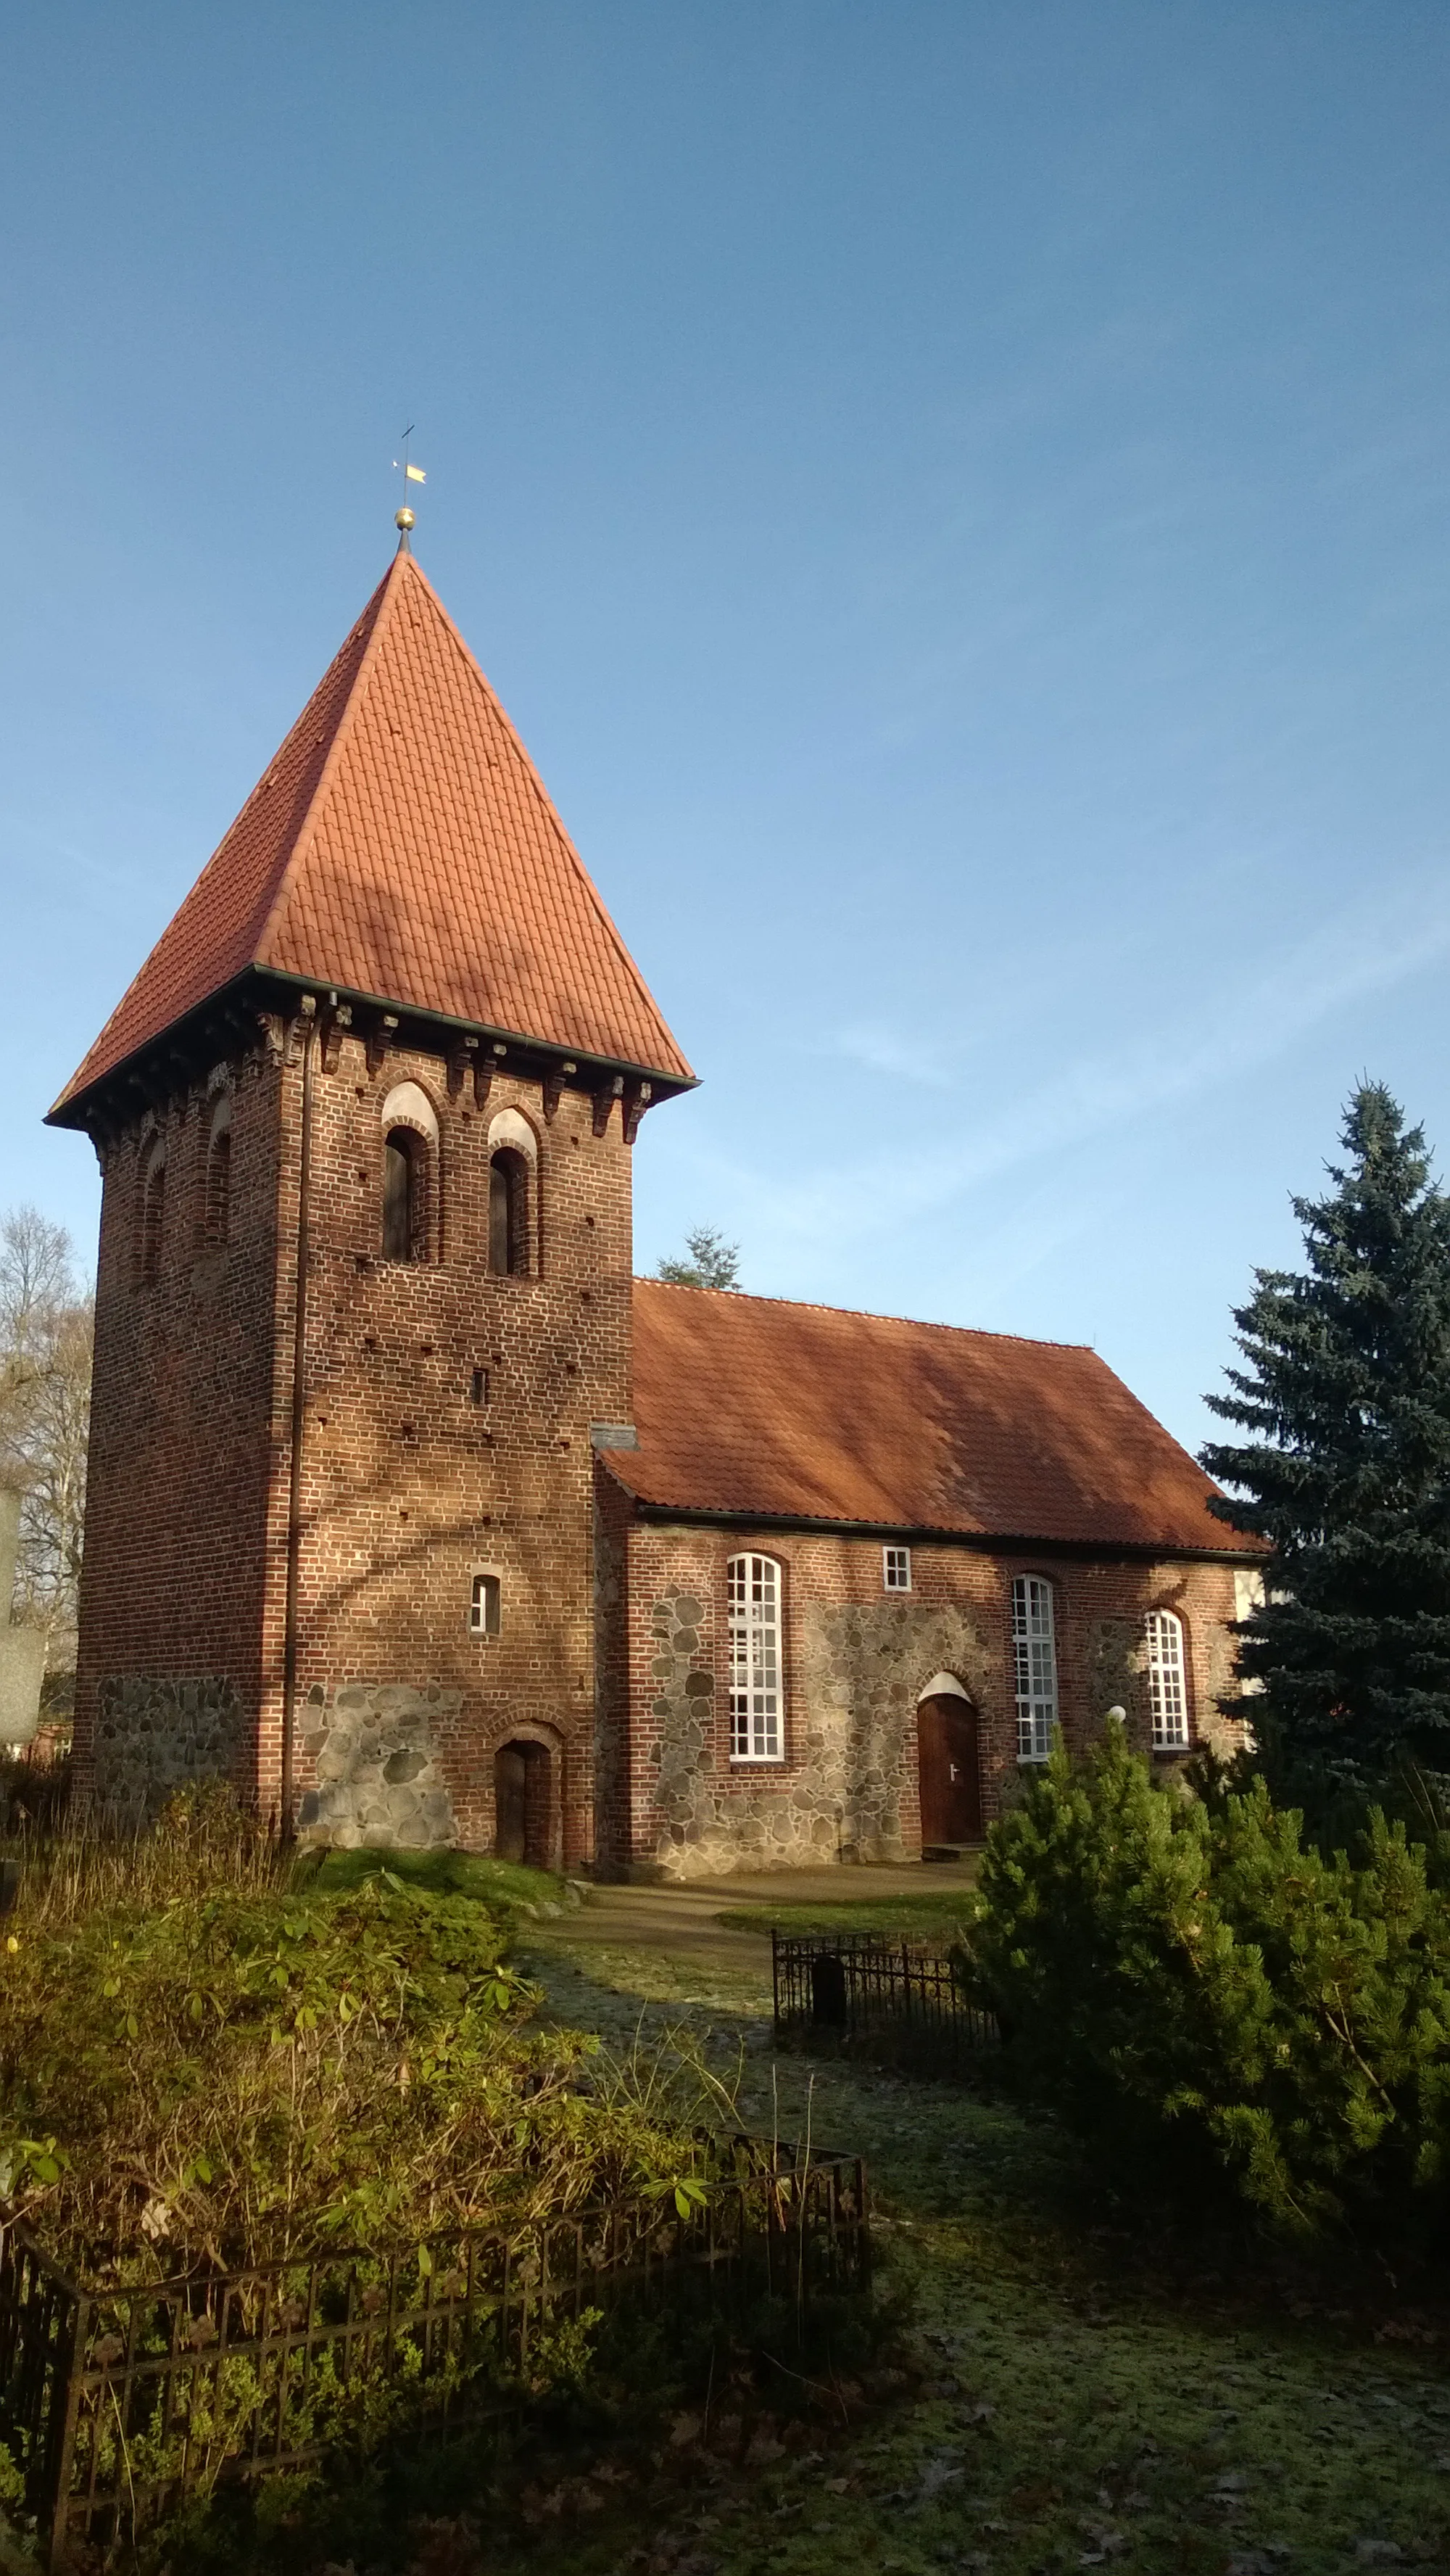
<point x="401" y="848"/>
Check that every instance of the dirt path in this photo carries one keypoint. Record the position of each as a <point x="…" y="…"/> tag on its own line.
<point x="1065" y="2413"/>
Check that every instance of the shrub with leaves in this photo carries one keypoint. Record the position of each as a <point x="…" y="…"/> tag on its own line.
<point x="238" y="2072"/>
<point x="1201" y="1995"/>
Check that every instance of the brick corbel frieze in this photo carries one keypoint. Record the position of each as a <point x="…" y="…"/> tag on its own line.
<point x="298" y="1027"/>
<point x="334" y="1028"/>
<point x="554" y="1086"/>
<point x="461" y="1058"/>
<point x="380" y="1033"/>
<point x="604" y="1100"/>
<point x="636" y="1101"/>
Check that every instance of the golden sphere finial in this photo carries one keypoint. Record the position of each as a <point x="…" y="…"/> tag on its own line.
<point x="404" y="520"/>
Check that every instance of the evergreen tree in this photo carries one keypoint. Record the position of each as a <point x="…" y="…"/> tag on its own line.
<point x="711" y="1262"/>
<point x="1346" y="1393"/>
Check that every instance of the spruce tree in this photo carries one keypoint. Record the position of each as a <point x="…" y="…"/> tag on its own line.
<point x="1345" y="1392"/>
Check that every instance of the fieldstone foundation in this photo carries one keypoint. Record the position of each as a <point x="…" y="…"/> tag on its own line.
<point x="374" y="1757"/>
<point x="155" y="1735"/>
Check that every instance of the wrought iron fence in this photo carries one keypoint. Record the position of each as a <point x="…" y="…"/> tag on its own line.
<point x="116" y="2404"/>
<point x="857" y="1985"/>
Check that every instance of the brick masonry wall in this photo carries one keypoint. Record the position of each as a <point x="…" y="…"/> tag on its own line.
<point x="175" y="1573"/>
<point x="856" y="1660"/>
<point x="409" y="1485"/>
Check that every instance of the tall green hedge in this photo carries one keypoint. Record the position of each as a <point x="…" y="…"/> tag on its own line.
<point x="1205" y="1998"/>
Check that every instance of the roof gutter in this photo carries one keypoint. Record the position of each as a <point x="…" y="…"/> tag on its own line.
<point x="73" y="1108"/>
<point x="931" y="1534"/>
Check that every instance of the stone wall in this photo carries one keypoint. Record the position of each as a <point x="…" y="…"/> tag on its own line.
<point x="849" y="1791"/>
<point x="863" y="1668"/>
<point x="856" y="1662"/>
<point x="374" y="1755"/>
<point x="154" y="1735"/>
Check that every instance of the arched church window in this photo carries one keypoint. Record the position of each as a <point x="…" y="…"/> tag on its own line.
<point x="1034" y="1659"/>
<point x="508" y="1213"/>
<point x="1167" y="1693"/>
<point x="753" y="1591"/>
<point x="404" y="1195"/>
<point x="153" y="1215"/>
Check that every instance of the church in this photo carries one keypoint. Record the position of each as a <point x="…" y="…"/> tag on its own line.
<point x="417" y="1516"/>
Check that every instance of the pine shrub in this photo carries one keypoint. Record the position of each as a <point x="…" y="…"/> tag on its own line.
<point x="1208" y="2000"/>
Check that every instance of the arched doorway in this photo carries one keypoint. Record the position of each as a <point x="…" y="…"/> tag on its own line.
<point x="950" y="1775"/>
<point x="523" y="1803"/>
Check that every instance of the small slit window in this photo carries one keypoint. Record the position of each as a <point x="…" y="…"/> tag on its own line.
<point x="217" y="1217"/>
<point x="485" y="1609"/>
<point x="1167" y="1691"/>
<point x="896" y="1569"/>
<point x="404" y="1194"/>
<point x="153" y="1220"/>
<point x="753" y="1586"/>
<point x="1034" y="1660"/>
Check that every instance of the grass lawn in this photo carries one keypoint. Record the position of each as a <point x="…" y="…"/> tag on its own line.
<point x="912" y="1918"/>
<point x="1072" y="2393"/>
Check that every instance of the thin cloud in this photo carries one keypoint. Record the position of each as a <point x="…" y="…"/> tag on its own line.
<point x="1233" y="1031"/>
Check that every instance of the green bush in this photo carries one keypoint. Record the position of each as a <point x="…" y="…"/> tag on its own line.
<point x="1202" y="1996"/>
<point x="201" y="2062"/>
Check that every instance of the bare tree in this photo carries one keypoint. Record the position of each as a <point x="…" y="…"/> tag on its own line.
<point x="46" y="1332"/>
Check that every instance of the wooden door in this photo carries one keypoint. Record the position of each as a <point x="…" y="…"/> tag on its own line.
<point x="510" y="1794"/>
<point x="951" y="1787"/>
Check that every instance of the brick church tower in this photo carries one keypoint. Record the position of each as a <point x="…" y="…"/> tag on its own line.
<point x="365" y="1120"/>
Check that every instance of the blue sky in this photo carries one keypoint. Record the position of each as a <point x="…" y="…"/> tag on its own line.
<point x="956" y="499"/>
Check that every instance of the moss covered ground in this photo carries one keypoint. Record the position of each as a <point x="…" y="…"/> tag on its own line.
<point x="506" y="1887"/>
<point x="1068" y="2388"/>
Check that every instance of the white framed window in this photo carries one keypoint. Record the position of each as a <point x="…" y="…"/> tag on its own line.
<point x="485" y="1608"/>
<point x="1167" y="1689"/>
<point x="1034" y="1660"/>
<point x="755" y="1660"/>
<point x="896" y="1569"/>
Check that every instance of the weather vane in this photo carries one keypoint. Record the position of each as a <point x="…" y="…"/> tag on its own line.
<point x="403" y="520"/>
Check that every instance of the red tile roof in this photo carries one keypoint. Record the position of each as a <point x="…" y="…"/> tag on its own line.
<point x="756" y="1408"/>
<point x="401" y="846"/>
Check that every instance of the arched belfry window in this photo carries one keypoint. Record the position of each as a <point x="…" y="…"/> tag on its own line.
<point x="217" y="1203"/>
<point x="410" y="1146"/>
<point x="402" y="1194"/>
<point x="512" y="1195"/>
<point x="153" y="1215"/>
<point x="508" y="1214"/>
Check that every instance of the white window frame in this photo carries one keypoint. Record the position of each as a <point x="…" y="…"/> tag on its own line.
<point x="754" y="1590"/>
<point x="896" y="1569"/>
<point x="1034" y="1664"/>
<point x="1167" y="1681"/>
<point x="485" y="1602"/>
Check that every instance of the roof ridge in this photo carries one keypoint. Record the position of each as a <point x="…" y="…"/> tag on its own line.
<point x="607" y="923"/>
<point x="866" y="1315"/>
<point x="340" y="733"/>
